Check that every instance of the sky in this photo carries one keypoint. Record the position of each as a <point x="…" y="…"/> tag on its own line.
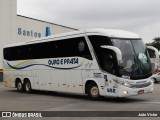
<point x="138" y="16"/>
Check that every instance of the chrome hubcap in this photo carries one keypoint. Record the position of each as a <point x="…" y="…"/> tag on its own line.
<point x="19" y="86"/>
<point x="28" y="86"/>
<point x="94" y="91"/>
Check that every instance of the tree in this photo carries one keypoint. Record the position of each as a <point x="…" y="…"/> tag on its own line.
<point x="156" y="43"/>
<point x="149" y="44"/>
<point x="157" y="39"/>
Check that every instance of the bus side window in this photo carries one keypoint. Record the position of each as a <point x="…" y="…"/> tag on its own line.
<point x="72" y="47"/>
<point x="83" y="49"/>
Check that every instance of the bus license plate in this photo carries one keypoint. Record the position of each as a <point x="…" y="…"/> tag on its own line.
<point x="140" y="91"/>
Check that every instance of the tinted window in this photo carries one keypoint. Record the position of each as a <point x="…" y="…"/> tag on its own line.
<point x="54" y="49"/>
<point x="151" y="53"/>
<point x="106" y="58"/>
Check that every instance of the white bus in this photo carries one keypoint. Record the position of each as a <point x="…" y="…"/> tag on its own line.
<point x="96" y="62"/>
<point x="154" y="57"/>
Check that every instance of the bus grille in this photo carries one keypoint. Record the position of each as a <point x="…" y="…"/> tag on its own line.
<point x="140" y="85"/>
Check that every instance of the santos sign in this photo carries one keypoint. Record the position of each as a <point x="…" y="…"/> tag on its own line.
<point x="31" y="33"/>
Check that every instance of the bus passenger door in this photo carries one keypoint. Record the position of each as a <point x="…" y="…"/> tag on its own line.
<point x="74" y="81"/>
<point x="58" y="80"/>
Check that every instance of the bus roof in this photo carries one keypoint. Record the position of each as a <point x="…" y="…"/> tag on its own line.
<point x="106" y="32"/>
<point x="114" y="33"/>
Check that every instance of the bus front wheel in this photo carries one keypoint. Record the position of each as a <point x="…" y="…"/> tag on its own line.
<point x="28" y="87"/>
<point x="93" y="91"/>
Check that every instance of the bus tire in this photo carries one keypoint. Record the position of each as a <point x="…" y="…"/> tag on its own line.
<point x="93" y="91"/>
<point x="19" y="86"/>
<point x="27" y="86"/>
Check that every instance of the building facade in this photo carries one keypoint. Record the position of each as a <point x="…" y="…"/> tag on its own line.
<point x="16" y="28"/>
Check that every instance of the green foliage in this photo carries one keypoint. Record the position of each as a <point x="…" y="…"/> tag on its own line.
<point x="155" y="43"/>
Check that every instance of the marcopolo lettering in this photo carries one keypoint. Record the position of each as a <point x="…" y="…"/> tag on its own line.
<point x="29" y="33"/>
<point x="63" y="61"/>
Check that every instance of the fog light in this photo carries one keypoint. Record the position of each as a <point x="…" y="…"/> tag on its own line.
<point x="125" y="92"/>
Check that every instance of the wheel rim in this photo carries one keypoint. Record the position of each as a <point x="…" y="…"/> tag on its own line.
<point x="94" y="91"/>
<point x="19" y="86"/>
<point x="28" y="86"/>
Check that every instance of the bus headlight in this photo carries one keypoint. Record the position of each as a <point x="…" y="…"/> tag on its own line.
<point x="125" y="92"/>
<point x="126" y="84"/>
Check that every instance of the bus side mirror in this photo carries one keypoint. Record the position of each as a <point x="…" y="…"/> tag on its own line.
<point x="116" y="50"/>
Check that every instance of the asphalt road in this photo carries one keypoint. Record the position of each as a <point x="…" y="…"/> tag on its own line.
<point x="11" y="100"/>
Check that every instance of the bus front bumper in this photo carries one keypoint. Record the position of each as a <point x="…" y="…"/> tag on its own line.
<point x="126" y="91"/>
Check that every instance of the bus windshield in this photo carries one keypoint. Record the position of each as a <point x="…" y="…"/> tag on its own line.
<point x="135" y="59"/>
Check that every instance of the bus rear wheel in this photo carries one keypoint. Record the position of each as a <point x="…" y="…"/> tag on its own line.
<point x="27" y="86"/>
<point x="93" y="91"/>
<point x="19" y="86"/>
